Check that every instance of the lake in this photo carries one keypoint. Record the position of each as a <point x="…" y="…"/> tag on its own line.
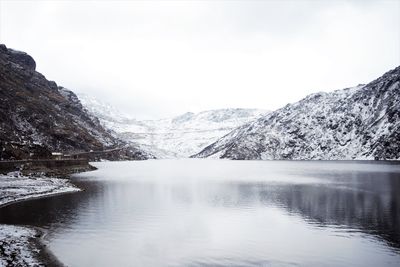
<point x="200" y="212"/>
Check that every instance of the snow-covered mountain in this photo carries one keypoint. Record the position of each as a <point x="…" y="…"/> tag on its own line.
<point x="187" y="134"/>
<point x="362" y="122"/>
<point x="109" y="116"/>
<point x="180" y="136"/>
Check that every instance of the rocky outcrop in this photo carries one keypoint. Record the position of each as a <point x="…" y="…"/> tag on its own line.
<point x="38" y="117"/>
<point x="355" y="123"/>
<point x="19" y="58"/>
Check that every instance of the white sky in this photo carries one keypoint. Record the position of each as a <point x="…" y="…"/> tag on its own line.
<point x="157" y="58"/>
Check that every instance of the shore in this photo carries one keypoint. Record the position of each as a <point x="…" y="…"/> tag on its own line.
<point x="23" y="245"/>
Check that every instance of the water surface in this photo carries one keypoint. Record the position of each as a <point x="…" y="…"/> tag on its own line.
<point x="224" y="213"/>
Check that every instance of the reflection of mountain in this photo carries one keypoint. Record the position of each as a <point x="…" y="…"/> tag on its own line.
<point x="365" y="202"/>
<point x="43" y="212"/>
<point x="96" y="202"/>
<point x="370" y="204"/>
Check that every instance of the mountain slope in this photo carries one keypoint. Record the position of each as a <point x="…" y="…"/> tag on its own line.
<point x="355" y="123"/>
<point x="179" y="136"/>
<point x="38" y="117"/>
<point x="184" y="135"/>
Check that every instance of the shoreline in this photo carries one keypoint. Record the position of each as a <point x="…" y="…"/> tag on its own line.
<point x="12" y="202"/>
<point x="24" y="245"/>
<point x="45" y="255"/>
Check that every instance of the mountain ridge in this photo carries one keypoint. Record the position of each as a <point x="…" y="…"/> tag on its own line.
<point x="362" y="122"/>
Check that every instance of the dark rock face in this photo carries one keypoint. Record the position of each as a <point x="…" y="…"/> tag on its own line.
<point x="355" y="123"/>
<point x="22" y="59"/>
<point x="38" y="117"/>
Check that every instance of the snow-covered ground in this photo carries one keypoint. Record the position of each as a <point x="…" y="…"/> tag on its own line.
<point x="16" y="247"/>
<point x="15" y="187"/>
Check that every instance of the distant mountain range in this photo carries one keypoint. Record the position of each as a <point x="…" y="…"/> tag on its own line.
<point x="37" y="117"/>
<point x="175" y="137"/>
<point x="362" y="122"/>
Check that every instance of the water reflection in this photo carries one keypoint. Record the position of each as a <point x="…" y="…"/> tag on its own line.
<point x="218" y="213"/>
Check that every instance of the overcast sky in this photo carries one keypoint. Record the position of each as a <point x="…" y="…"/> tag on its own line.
<point x="158" y="58"/>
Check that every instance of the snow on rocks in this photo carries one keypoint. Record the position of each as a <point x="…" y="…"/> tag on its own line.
<point x="362" y="122"/>
<point x="15" y="246"/>
<point x="15" y="187"/>
<point x="16" y="242"/>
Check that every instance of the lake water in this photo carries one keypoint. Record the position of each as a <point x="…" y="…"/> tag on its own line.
<point x="224" y="213"/>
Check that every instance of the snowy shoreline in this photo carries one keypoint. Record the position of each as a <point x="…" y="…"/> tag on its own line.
<point x="22" y="245"/>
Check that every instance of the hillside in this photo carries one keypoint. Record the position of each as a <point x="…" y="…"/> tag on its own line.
<point x="362" y="122"/>
<point x="38" y="117"/>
